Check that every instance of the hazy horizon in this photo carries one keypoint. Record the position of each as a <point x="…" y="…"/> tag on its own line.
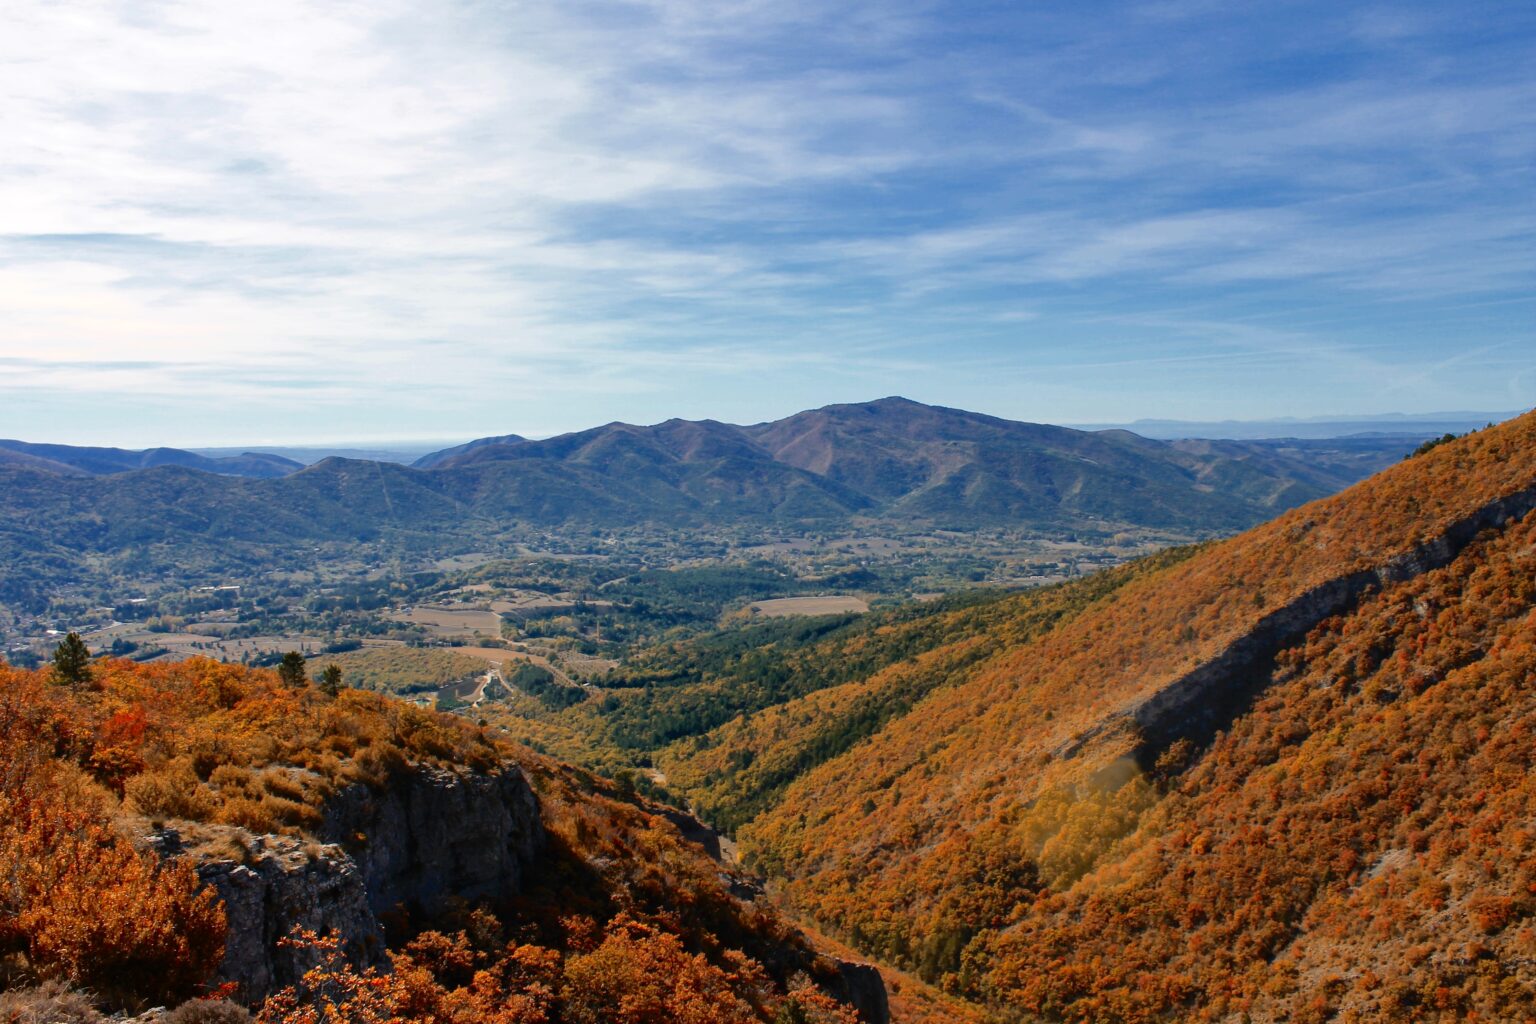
<point x="424" y="445"/>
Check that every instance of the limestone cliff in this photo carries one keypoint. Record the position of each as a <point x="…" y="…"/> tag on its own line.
<point x="427" y="836"/>
<point x="286" y="884"/>
<point x="437" y="834"/>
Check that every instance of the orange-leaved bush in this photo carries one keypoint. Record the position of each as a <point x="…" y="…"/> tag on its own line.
<point x="76" y="900"/>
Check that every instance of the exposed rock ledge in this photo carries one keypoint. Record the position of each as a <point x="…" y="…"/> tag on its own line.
<point x="1201" y="700"/>
<point x="438" y="834"/>
<point x="431" y="835"/>
<point x="862" y="987"/>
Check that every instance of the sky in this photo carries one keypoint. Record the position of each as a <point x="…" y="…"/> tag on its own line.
<point x="295" y="221"/>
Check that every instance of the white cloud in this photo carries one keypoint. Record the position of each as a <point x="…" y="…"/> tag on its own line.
<point x="354" y="204"/>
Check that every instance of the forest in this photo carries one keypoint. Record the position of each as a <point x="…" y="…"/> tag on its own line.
<point x="983" y="791"/>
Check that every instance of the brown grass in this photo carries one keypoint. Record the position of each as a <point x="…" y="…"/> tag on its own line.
<point x="780" y="607"/>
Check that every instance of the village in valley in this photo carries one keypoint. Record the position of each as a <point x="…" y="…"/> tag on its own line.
<point x="459" y="630"/>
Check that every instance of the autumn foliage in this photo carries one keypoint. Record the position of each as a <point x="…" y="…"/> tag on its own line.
<point x="622" y="919"/>
<point x="634" y="974"/>
<point x="1346" y="833"/>
<point x="76" y="900"/>
<point x="1344" y="829"/>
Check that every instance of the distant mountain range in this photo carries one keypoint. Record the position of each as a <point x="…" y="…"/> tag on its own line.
<point x="69" y="460"/>
<point x="893" y="460"/>
<point x="899" y="458"/>
<point x="403" y="452"/>
<point x="1431" y="424"/>
<point x="877" y="465"/>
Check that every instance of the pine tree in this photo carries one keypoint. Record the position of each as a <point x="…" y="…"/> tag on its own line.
<point x="330" y="680"/>
<point x="291" y="671"/>
<point x="72" y="662"/>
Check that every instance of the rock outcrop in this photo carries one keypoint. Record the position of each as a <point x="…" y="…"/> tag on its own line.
<point x="861" y="987"/>
<point x="286" y="884"/>
<point x="429" y="836"/>
<point x="1204" y="699"/>
<point x="434" y="834"/>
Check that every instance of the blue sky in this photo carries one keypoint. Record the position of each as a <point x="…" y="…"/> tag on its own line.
<point x="316" y="221"/>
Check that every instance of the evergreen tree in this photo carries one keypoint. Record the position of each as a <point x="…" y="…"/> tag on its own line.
<point x="291" y="671"/>
<point x="330" y="680"/>
<point x="72" y="662"/>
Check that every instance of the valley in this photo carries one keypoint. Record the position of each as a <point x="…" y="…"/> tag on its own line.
<point x="671" y="512"/>
<point x="1033" y="773"/>
<point x="1307" y="746"/>
<point x="871" y="503"/>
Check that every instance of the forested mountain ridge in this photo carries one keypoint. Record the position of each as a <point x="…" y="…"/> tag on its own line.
<point x="898" y="458"/>
<point x="894" y="461"/>
<point x="72" y="460"/>
<point x="1283" y="776"/>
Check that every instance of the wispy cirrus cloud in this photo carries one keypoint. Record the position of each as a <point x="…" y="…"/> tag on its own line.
<point x="453" y="218"/>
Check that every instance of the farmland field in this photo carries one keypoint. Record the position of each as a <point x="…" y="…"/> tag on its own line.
<point x="453" y="621"/>
<point x="835" y="605"/>
<point x="405" y="669"/>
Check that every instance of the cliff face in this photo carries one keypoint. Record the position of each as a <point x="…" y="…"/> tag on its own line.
<point x="429" y="836"/>
<point x="861" y="987"/>
<point x="288" y="884"/>
<point x="437" y="834"/>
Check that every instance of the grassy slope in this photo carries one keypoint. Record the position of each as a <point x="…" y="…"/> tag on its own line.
<point x="402" y="670"/>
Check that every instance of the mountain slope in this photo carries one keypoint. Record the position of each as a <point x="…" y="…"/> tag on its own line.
<point x="101" y="461"/>
<point x="674" y="470"/>
<point x="437" y="458"/>
<point x="901" y="459"/>
<point x="1192" y="795"/>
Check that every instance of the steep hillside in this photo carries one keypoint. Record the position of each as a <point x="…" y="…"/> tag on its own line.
<point x="813" y="691"/>
<point x="1282" y="776"/>
<point x="167" y="827"/>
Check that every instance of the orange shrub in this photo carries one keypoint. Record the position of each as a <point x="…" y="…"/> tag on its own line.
<point x="77" y="901"/>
